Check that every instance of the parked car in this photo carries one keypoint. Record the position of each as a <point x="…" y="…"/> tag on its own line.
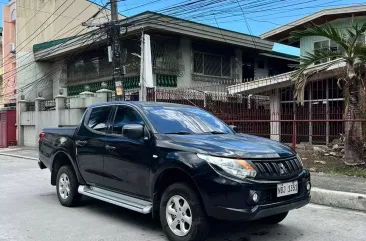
<point x="178" y="163"/>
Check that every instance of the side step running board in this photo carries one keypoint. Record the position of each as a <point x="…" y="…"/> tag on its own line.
<point x="134" y="204"/>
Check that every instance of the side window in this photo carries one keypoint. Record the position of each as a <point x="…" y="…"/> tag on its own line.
<point x="124" y="116"/>
<point x="99" y="117"/>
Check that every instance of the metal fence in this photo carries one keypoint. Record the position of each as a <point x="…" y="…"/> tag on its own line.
<point x="46" y="105"/>
<point x="318" y="121"/>
<point x="30" y="106"/>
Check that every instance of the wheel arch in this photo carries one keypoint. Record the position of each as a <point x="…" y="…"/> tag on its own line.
<point x="60" y="159"/>
<point x="167" y="177"/>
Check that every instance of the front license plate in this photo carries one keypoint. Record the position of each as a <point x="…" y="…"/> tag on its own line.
<point x="287" y="188"/>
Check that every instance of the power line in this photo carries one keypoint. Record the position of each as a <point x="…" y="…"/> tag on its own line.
<point x="246" y="22"/>
<point x="28" y="54"/>
<point x="66" y="25"/>
<point x="26" y="23"/>
<point x="23" y="67"/>
<point x="41" y="25"/>
<point x="47" y="25"/>
<point x="86" y="38"/>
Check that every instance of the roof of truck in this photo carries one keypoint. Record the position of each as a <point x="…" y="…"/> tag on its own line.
<point x="140" y="104"/>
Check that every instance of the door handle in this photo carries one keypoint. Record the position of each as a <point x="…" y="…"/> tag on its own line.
<point x="81" y="143"/>
<point x="110" y="148"/>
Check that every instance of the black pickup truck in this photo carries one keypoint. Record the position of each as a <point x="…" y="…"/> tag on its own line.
<point x="179" y="163"/>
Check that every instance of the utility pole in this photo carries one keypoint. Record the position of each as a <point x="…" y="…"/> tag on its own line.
<point x="118" y="70"/>
<point x="142" y="80"/>
<point x="114" y="46"/>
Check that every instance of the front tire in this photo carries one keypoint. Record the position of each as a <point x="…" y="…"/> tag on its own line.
<point x="67" y="187"/>
<point x="182" y="215"/>
<point x="275" y="219"/>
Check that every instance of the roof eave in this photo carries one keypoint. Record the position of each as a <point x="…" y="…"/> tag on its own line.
<point x="275" y="34"/>
<point x="150" y="20"/>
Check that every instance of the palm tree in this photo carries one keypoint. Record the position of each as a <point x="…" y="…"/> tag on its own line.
<point x="348" y="61"/>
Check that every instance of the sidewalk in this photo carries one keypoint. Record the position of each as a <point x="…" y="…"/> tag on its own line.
<point x="331" y="190"/>
<point x="339" y="183"/>
<point x="21" y="152"/>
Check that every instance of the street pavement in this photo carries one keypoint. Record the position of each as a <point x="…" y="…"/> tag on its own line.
<point x="29" y="210"/>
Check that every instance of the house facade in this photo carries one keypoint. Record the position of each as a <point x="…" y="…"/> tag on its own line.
<point x="180" y="55"/>
<point x="1" y="70"/>
<point x="323" y="100"/>
<point x="28" y="22"/>
<point x="183" y="53"/>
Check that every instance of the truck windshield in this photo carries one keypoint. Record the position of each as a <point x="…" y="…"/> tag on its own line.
<point x="185" y="121"/>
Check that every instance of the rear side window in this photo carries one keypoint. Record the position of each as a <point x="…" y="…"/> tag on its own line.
<point x="99" y="117"/>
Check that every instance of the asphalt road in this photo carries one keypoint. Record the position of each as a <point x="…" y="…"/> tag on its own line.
<point x="29" y="210"/>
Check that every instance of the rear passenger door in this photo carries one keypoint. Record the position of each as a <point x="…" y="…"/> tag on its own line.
<point x="127" y="161"/>
<point x="90" y="144"/>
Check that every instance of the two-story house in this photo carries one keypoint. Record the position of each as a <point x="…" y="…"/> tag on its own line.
<point x="183" y="53"/>
<point x="323" y="97"/>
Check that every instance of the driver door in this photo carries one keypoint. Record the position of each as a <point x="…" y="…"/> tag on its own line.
<point x="127" y="161"/>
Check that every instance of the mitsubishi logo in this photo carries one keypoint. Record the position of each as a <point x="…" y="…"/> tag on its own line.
<point x="283" y="169"/>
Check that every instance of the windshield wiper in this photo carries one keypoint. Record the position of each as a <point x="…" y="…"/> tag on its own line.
<point x="179" y="133"/>
<point x="217" y="132"/>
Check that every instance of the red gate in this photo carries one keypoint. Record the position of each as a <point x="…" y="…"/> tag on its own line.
<point x="7" y="128"/>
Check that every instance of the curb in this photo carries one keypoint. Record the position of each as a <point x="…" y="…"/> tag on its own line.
<point x="18" y="156"/>
<point x="355" y="201"/>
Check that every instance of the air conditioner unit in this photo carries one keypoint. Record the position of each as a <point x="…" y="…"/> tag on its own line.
<point x="12" y="48"/>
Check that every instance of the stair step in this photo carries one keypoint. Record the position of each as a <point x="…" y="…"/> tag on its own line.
<point x="118" y="199"/>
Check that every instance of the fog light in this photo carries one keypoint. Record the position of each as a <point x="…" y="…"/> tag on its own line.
<point x="308" y="186"/>
<point x="255" y="197"/>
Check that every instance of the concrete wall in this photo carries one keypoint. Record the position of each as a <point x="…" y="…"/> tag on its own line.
<point x="58" y="76"/>
<point x="46" y="119"/>
<point x="71" y="117"/>
<point x="61" y="18"/>
<point x="306" y="43"/>
<point x="55" y="19"/>
<point x="31" y="123"/>
<point x="1" y="75"/>
<point x="186" y="79"/>
<point x="258" y="72"/>
<point x="186" y="50"/>
<point x="30" y="135"/>
<point x="27" y="118"/>
<point x="34" y="77"/>
<point x="9" y="64"/>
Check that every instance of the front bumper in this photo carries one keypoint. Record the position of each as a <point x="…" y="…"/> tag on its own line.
<point x="228" y="199"/>
<point x="259" y="211"/>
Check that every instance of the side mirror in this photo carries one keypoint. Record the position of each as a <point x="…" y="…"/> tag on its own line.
<point x="234" y="128"/>
<point x="133" y="131"/>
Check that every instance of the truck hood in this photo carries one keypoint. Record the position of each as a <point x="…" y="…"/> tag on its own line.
<point x="228" y="145"/>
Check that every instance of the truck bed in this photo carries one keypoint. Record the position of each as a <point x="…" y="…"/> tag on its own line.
<point x="63" y="131"/>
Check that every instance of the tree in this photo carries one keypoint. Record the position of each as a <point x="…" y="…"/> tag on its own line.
<point x="348" y="61"/>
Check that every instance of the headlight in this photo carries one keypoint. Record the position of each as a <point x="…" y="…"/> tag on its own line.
<point x="234" y="167"/>
<point x="299" y="158"/>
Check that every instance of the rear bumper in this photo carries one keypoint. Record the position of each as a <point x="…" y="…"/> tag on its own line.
<point x="227" y="199"/>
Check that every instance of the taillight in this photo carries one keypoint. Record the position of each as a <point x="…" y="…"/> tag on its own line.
<point x="41" y="135"/>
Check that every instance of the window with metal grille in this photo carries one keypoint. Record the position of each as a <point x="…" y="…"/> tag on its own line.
<point x="211" y="64"/>
<point x="325" y="44"/>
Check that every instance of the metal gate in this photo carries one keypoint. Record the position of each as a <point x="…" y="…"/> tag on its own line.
<point x="7" y="128"/>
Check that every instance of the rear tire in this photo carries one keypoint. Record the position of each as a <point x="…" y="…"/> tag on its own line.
<point x="275" y="219"/>
<point x="67" y="186"/>
<point x="184" y="208"/>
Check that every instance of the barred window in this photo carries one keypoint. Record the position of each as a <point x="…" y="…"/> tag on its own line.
<point x="211" y="64"/>
<point x="325" y="44"/>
